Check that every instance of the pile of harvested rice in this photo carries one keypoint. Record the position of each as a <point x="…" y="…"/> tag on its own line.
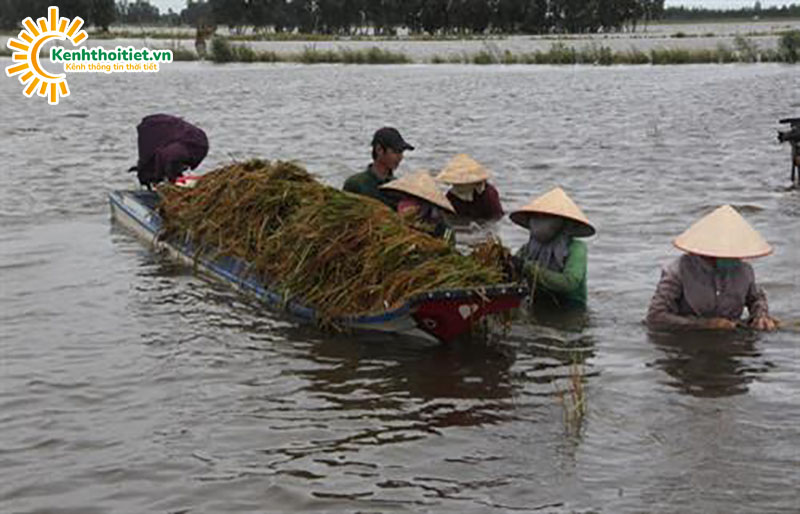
<point x="339" y="253"/>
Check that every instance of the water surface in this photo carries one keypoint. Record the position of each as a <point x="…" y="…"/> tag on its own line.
<point x="129" y="385"/>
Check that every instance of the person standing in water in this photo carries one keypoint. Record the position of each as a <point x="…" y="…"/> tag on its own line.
<point x="709" y="286"/>
<point x="419" y="199"/>
<point x="472" y="196"/>
<point x="554" y="260"/>
<point x="387" y="153"/>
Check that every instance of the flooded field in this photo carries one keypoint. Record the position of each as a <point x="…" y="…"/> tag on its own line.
<point x="129" y="385"/>
<point x="760" y="35"/>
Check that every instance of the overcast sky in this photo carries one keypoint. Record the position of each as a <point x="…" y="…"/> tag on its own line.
<point x="178" y="5"/>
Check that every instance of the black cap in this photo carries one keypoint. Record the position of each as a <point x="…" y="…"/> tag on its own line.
<point x="389" y="137"/>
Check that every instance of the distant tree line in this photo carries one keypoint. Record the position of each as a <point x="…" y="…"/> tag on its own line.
<point x="697" y="14"/>
<point x="385" y="17"/>
<point x="345" y="17"/>
<point x="100" y="13"/>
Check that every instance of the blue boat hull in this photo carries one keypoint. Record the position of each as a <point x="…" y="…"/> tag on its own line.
<point x="434" y="316"/>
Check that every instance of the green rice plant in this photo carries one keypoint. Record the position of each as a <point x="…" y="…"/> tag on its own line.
<point x="632" y="56"/>
<point x="704" y="56"/>
<point x="483" y="57"/>
<point x="349" y="56"/>
<point x="509" y="58"/>
<point x="243" y="53"/>
<point x="458" y="58"/>
<point x="725" y="54"/>
<point x="662" y="56"/>
<point x="269" y="56"/>
<point x="789" y="46"/>
<point x="559" y="53"/>
<point x="770" y="55"/>
<point x="453" y="58"/>
<point x="378" y="56"/>
<point x="311" y="55"/>
<point x="373" y="55"/>
<point x="669" y="56"/>
<point x="180" y="53"/>
<point x="600" y="55"/>
<point x="221" y="50"/>
<point x="746" y="49"/>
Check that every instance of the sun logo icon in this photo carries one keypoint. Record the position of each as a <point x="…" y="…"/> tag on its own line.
<point x="32" y="75"/>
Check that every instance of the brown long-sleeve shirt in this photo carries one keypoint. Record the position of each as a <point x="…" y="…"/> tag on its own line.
<point x="691" y="289"/>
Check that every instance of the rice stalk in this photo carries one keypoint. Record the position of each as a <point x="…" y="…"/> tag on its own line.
<point x="339" y="253"/>
<point x="572" y="398"/>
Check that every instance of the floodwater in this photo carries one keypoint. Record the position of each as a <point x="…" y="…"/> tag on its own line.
<point x="129" y="385"/>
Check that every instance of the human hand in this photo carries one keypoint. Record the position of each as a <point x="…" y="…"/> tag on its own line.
<point x="719" y="324"/>
<point x="530" y="269"/>
<point x="764" y="323"/>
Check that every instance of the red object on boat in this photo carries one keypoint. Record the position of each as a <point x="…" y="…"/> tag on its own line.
<point x="186" y="180"/>
<point x="447" y="319"/>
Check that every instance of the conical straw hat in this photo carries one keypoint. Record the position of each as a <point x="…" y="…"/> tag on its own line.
<point x="555" y="202"/>
<point x="463" y="169"/>
<point x="420" y="184"/>
<point x="723" y="233"/>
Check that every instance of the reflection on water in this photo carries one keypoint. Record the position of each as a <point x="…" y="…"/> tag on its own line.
<point x="546" y="312"/>
<point x="710" y="363"/>
<point x="385" y="377"/>
<point x="127" y="384"/>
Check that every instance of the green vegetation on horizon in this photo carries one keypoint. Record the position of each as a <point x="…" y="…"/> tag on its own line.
<point x="699" y="14"/>
<point x="743" y="50"/>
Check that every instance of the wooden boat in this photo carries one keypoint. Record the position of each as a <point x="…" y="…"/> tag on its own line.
<point x="440" y="315"/>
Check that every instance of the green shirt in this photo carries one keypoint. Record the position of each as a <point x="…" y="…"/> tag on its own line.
<point x="567" y="286"/>
<point x="367" y="183"/>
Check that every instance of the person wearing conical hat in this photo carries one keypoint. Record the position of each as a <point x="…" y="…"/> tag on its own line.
<point x="418" y="197"/>
<point x="709" y="286"/>
<point x="553" y="259"/>
<point x="472" y="196"/>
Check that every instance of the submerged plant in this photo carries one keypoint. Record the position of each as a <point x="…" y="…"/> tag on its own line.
<point x="180" y="53"/>
<point x="572" y="398"/>
<point x="789" y="46"/>
<point x="746" y="49"/>
<point x="221" y="50"/>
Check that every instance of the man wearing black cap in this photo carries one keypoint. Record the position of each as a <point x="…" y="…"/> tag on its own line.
<point x="387" y="152"/>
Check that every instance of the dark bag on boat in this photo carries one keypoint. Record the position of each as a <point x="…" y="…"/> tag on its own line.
<point x="167" y="147"/>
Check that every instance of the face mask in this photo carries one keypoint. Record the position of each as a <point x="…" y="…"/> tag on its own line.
<point x="429" y="212"/>
<point x="545" y="228"/>
<point x="465" y="192"/>
<point x="726" y="265"/>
